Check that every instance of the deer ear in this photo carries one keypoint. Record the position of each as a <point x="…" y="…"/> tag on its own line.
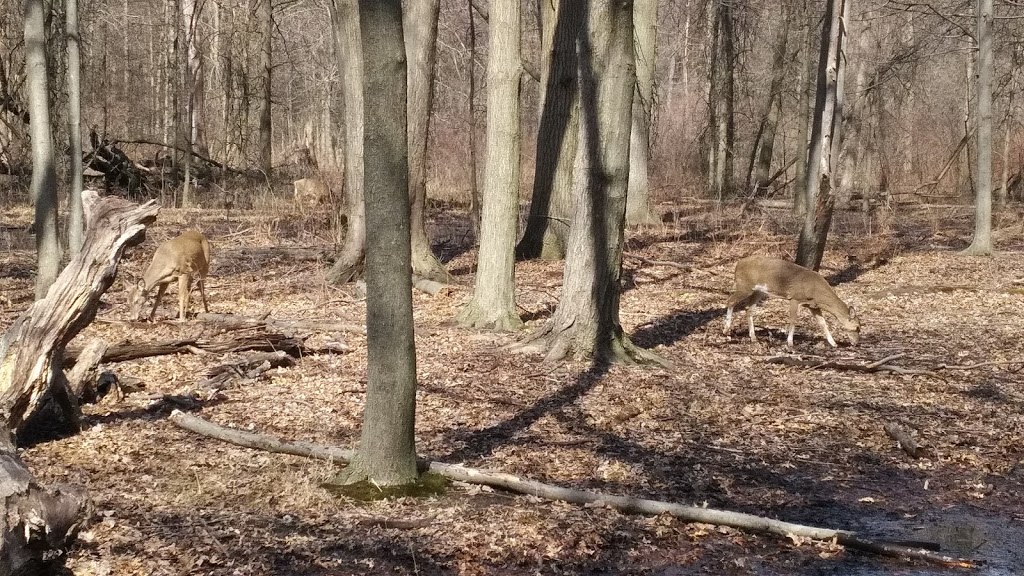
<point x="853" y="313"/>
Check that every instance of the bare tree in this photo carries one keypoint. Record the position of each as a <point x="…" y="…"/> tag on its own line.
<point x="265" y="16"/>
<point x="44" y="174"/>
<point x="982" y="242"/>
<point x="420" y="21"/>
<point x="76" y="218"/>
<point x="586" y="322"/>
<point x="387" y="450"/>
<point x="800" y="202"/>
<point x="349" y="53"/>
<point x="721" y="100"/>
<point x="551" y="206"/>
<point x="493" y="304"/>
<point x="763" y="148"/>
<point x="638" y="197"/>
<point x="823" y="158"/>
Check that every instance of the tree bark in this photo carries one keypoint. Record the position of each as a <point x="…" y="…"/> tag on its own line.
<point x="551" y="207"/>
<point x="825" y="137"/>
<point x="420" y="20"/>
<point x="265" y="16"/>
<point x="349" y="53"/>
<point x="76" y="219"/>
<point x="387" y="452"/>
<point x="982" y="242"/>
<point x="493" y="305"/>
<point x="44" y="175"/>
<point x="475" y="209"/>
<point x="638" y="195"/>
<point x="586" y="322"/>
<point x="764" y="146"/>
<point x="800" y="200"/>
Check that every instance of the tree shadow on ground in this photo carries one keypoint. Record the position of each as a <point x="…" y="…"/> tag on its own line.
<point x="667" y="330"/>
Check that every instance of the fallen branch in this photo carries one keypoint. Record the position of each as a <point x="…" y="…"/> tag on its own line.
<point x="551" y="492"/>
<point x="249" y="368"/>
<point x="284" y="325"/>
<point x="815" y="364"/>
<point x="264" y="342"/>
<point x="904" y="440"/>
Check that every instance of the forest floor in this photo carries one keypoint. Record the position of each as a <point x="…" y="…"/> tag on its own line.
<point x="724" y="428"/>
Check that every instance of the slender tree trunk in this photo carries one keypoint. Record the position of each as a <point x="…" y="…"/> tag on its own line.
<point x="475" y="214"/>
<point x="586" y="322"/>
<point x="76" y="218"/>
<point x="638" y="197"/>
<point x="493" y="305"/>
<point x="44" y="174"/>
<point x="265" y="15"/>
<point x="188" y="95"/>
<point x="764" y="144"/>
<point x="800" y="187"/>
<point x="982" y="242"/>
<point x="714" y="46"/>
<point x="387" y="450"/>
<point x="551" y="207"/>
<point x="420" y="22"/>
<point x="825" y="137"/>
<point x="727" y="102"/>
<point x="349" y="53"/>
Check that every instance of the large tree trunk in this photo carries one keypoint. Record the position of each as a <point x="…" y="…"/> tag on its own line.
<point x="551" y="207"/>
<point x="387" y="452"/>
<point x="764" y="145"/>
<point x="76" y="219"/>
<point x="44" y="174"/>
<point x="982" y="242"/>
<point x="349" y="53"/>
<point x="638" y="196"/>
<point x="824" y="151"/>
<point x="265" y="14"/>
<point x="420" y="22"/>
<point x="493" y="304"/>
<point x="586" y="322"/>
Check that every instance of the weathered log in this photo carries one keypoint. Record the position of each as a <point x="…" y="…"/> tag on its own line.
<point x="82" y="376"/>
<point x="249" y="368"/>
<point x="262" y="341"/>
<point x="284" y="325"/>
<point x="876" y="366"/>
<point x="39" y="524"/>
<point x="623" y="504"/>
<point x="38" y="337"/>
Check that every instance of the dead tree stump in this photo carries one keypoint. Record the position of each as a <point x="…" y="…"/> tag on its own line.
<point x="40" y="524"/>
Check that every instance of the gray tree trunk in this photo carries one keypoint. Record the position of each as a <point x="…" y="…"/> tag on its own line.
<point x="44" y="174"/>
<point x="76" y="219"/>
<point x="721" y="162"/>
<point x="982" y="242"/>
<point x="420" y="22"/>
<point x="387" y="451"/>
<point x="475" y="209"/>
<point x="493" y="305"/>
<point x="638" y="196"/>
<point x="349" y="53"/>
<point x="551" y="207"/>
<point x="764" y="145"/>
<point x="586" y="322"/>
<point x="824" y="150"/>
<point x="265" y="16"/>
<point x="800" y="200"/>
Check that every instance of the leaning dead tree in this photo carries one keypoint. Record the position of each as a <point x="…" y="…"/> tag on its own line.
<point x="40" y="524"/>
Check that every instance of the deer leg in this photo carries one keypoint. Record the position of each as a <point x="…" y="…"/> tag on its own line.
<point x="794" y="311"/>
<point x="156" y="301"/>
<point x="824" y="326"/>
<point x="184" y="284"/>
<point x="202" y="292"/>
<point x="756" y="299"/>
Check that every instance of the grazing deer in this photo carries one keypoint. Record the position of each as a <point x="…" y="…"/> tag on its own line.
<point x="758" y="277"/>
<point x="310" y="192"/>
<point x="186" y="258"/>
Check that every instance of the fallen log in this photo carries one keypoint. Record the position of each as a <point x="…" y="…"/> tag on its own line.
<point x="261" y="341"/>
<point x="249" y="368"/>
<point x="876" y="366"/>
<point x="285" y="325"/>
<point x="83" y="375"/>
<point x="623" y="504"/>
<point x="39" y="524"/>
<point x="904" y="440"/>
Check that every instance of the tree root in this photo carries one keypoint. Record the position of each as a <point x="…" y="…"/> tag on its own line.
<point x="572" y="341"/>
<point x="486" y="318"/>
<point x="623" y="504"/>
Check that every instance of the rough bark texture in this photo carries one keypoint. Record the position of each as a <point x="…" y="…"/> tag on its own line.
<point x="982" y="242"/>
<point x="493" y="304"/>
<point x="638" y="196"/>
<point x="386" y="454"/>
<point x="76" y="220"/>
<point x="551" y="208"/>
<point x="44" y="174"/>
<point x="824" y="151"/>
<point x="761" y="162"/>
<point x="265" y="14"/>
<point x="586" y="322"/>
<point x="420" y="22"/>
<point x="349" y="53"/>
<point x="36" y="338"/>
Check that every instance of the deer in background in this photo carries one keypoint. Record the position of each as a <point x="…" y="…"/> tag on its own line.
<point x="310" y="192"/>
<point x="758" y="277"/>
<point x="185" y="258"/>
